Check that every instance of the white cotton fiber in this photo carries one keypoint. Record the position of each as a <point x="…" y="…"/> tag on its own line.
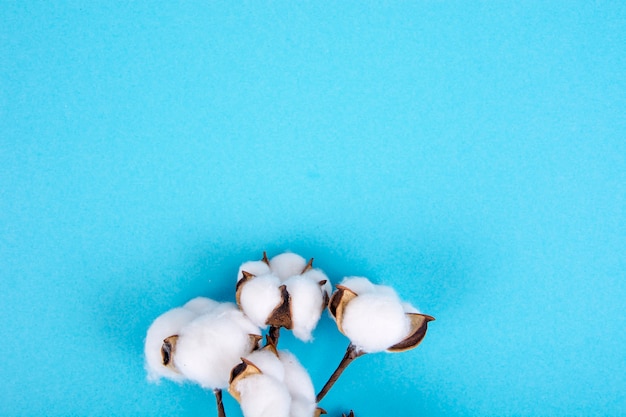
<point x="201" y="305"/>
<point x="307" y="304"/>
<point x="375" y="322"/>
<point x="256" y="268"/>
<point x="286" y="265"/>
<point x="359" y="285"/>
<point x="166" y="325"/>
<point x="267" y="361"/>
<point x="212" y="344"/>
<point x="259" y="297"/>
<point x="263" y="396"/>
<point x="409" y="308"/>
<point x="317" y="275"/>
<point x="299" y="385"/>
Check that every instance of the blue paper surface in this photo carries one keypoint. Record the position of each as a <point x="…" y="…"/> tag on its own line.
<point x="472" y="156"/>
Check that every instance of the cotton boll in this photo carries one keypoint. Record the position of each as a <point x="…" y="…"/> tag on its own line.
<point x="167" y="324"/>
<point x="256" y="268"/>
<point x="286" y="265"/>
<point x="299" y="385"/>
<point x="259" y="297"/>
<point x="373" y="322"/>
<point x="307" y="304"/>
<point x="263" y="396"/>
<point x="212" y="344"/>
<point x="201" y="305"/>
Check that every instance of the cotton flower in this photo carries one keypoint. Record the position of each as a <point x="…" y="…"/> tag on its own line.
<point x="374" y="318"/>
<point x="285" y="291"/>
<point x="269" y="383"/>
<point x="168" y="324"/>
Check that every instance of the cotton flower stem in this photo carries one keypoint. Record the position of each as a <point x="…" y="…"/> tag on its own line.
<point x="272" y="335"/>
<point x="351" y="354"/>
<point x="220" y="404"/>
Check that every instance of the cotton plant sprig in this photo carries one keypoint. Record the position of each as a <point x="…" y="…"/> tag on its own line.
<point x="217" y="345"/>
<point x="375" y="320"/>
<point x="200" y="342"/>
<point x="283" y="292"/>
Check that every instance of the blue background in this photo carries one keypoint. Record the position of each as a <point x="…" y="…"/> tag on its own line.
<point x="473" y="156"/>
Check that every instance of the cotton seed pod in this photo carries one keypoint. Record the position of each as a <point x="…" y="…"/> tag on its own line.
<point x="374" y="319"/>
<point x="292" y="295"/>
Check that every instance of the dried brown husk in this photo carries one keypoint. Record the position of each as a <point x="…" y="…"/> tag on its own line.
<point x="308" y="266"/>
<point x="167" y="352"/>
<point x="419" y="326"/>
<point x="338" y="302"/>
<point x="239" y="372"/>
<point x="319" y="411"/>
<point x="254" y="341"/>
<point x="281" y="315"/>
<point x="247" y="276"/>
<point x="325" y="299"/>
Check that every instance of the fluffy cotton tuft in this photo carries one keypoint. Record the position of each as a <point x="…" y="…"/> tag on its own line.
<point x="409" y="308"/>
<point x="256" y="268"/>
<point x="201" y="305"/>
<point x="170" y="324"/>
<point x="374" y="320"/>
<point x="316" y="275"/>
<point x="359" y="285"/>
<point x="167" y="324"/>
<point x="259" y="297"/>
<point x="212" y="344"/>
<point x="267" y="361"/>
<point x="299" y="385"/>
<point x="287" y="265"/>
<point x="307" y="304"/>
<point x="263" y="396"/>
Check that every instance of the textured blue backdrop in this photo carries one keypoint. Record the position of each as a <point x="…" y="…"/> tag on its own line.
<point x="472" y="156"/>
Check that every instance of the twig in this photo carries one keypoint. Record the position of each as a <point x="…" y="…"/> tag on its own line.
<point x="351" y="354"/>
<point x="220" y="404"/>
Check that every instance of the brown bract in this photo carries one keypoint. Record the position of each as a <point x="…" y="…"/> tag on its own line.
<point x="319" y="411"/>
<point x="338" y="302"/>
<point x="419" y="325"/>
<point x="239" y="372"/>
<point x="167" y="352"/>
<point x="281" y="316"/>
<point x="247" y="276"/>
